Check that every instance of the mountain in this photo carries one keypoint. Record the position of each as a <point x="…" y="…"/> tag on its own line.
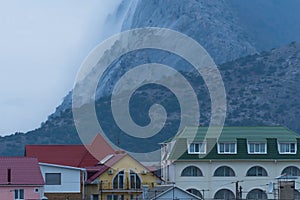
<point x="236" y="27"/>
<point x="262" y="88"/>
<point x="226" y="29"/>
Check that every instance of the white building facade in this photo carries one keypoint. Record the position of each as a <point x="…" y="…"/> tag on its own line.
<point x="62" y="179"/>
<point x="243" y="162"/>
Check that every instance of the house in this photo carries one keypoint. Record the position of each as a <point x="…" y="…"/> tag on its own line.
<point x="167" y="192"/>
<point x="71" y="155"/>
<point x="242" y="162"/>
<point x="63" y="166"/>
<point x="118" y="176"/>
<point x="63" y="182"/>
<point x="20" y="178"/>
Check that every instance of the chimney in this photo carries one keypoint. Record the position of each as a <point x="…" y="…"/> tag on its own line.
<point x="9" y="176"/>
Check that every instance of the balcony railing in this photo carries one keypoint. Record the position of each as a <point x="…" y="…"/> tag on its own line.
<point x="103" y="185"/>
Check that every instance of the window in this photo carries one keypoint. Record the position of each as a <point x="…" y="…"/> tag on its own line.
<point x="227" y="148"/>
<point x="112" y="197"/>
<point x="197" y="148"/>
<point x="118" y="182"/>
<point x="257" y="171"/>
<point x="224" y="171"/>
<point x="256" y="194"/>
<point x="195" y="192"/>
<point x="224" y="194"/>
<point x="257" y="148"/>
<point x="287" y="148"/>
<point x="135" y="181"/>
<point x="95" y="196"/>
<point x="131" y="197"/>
<point x="191" y="171"/>
<point x="19" y="194"/>
<point x="291" y="171"/>
<point x="53" y="178"/>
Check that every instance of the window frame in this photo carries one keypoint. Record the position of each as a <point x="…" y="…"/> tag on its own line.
<point x="227" y="152"/>
<point x="120" y="175"/>
<point x="137" y="181"/>
<point x="47" y="182"/>
<point x="190" y="166"/>
<point x="224" y="193"/>
<point x="257" y="193"/>
<point x="17" y="194"/>
<point x="254" y="150"/>
<point x="94" y="196"/>
<point x="257" y="172"/>
<point x="224" y="174"/>
<point x="291" y="167"/>
<point x="36" y="190"/>
<point x="112" y="196"/>
<point x="201" y="148"/>
<point x="287" y="143"/>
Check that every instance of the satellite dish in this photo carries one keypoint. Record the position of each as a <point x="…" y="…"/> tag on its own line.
<point x="271" y="187"/>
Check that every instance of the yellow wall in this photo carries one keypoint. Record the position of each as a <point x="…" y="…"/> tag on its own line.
<point x="127" y="163"/>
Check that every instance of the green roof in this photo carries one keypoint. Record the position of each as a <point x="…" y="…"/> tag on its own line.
<point x="252" y="133"/>
<point x="239" y="134"/>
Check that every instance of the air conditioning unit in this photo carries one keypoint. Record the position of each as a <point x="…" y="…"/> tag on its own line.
<point x="144" y="172"/>
<point x="110" y="172"/>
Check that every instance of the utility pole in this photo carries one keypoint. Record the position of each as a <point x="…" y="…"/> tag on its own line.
<point x="237" y="195"/>
<point x="203" y="191"/>
<point x="101" y="190"/>
<point x="241" y="193"/>
<point x="237" y="190"/>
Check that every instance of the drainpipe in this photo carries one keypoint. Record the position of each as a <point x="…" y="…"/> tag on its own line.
<point x="84" y="176"/>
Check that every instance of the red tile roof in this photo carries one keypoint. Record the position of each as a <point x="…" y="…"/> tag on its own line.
<point x="23" y="171"/>
<point x="71" y="155"/>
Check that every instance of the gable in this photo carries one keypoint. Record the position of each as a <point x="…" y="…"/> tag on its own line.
<point x="176" y="193"/>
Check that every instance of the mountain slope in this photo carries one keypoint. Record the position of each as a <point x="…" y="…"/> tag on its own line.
<point x="226" y="29"/>
<point x="262" y="89"/>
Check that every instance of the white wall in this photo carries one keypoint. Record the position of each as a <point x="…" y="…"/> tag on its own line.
<point x="213" y="184"/>
<point x="177" y="194"/>
<point x="70" y="179"/>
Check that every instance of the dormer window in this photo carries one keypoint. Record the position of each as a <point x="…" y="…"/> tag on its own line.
<point x="227" y="148"/>
<point x="257" y="148"/>
<point x="197" y="148"/>
<point x="287" y="147"/>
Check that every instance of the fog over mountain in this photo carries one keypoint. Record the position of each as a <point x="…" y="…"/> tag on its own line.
<point x="261" y="82"/>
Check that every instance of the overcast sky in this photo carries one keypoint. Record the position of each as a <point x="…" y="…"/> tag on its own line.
<point x="42" y="44"/>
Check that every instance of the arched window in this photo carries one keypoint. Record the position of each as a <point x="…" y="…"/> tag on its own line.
<point x="257" y="194"/>
<point x="118" y="182"/>
<point x="195" y="192"/>
<point x="291" y="171"/>
<point x="257" y="171"/>
<point x="224" y="194"/>
<point x="224" y="171"/>
<point x="191" y="171"/>
<point x="135" y="181"/>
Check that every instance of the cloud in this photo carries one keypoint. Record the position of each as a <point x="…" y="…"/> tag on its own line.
<point x="42" y="44"/>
